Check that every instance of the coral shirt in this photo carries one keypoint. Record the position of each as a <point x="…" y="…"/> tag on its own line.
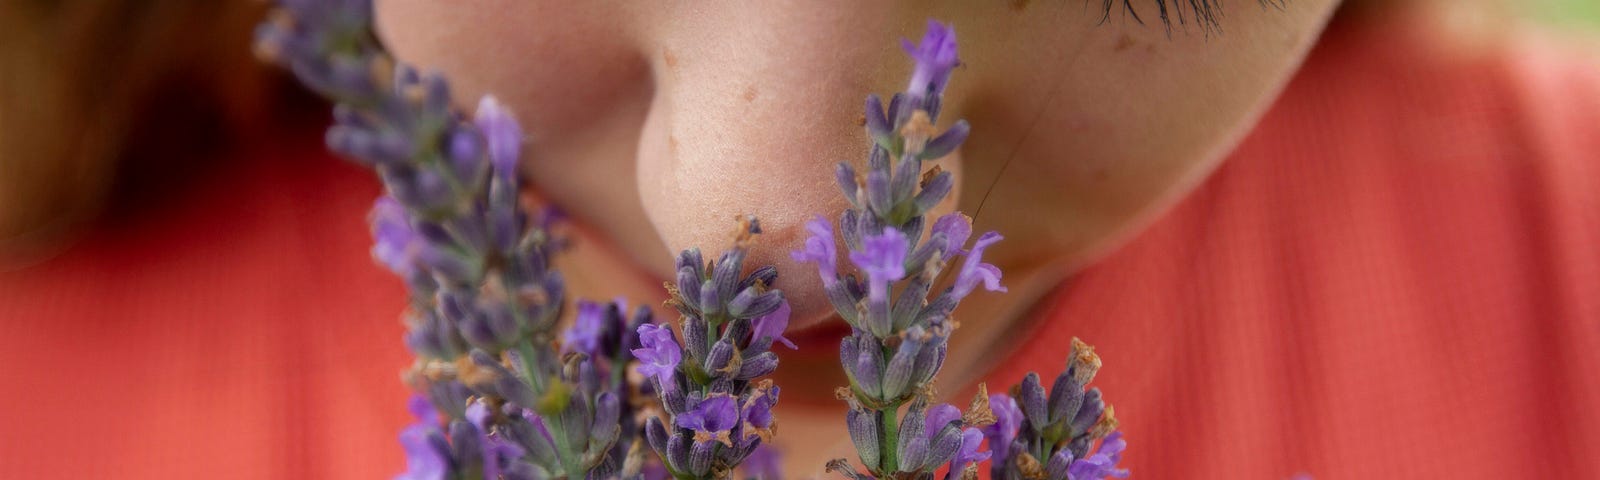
<point x="1396" y="275"/>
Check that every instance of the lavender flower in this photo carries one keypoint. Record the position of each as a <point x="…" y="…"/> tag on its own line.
<point x="660" y="354"/>
<point x="974" y="271"/>
<point x="718" y="408"/>
<point x="484" y="300"/>
<point x="427" y="451"/>
<point x="1049" y="434"/>
<point x="899" y="334"/>
<point x="935" y="56"/>
<point x="711" y="419"/>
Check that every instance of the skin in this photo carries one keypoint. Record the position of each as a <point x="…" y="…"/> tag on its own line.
<point x="655" y="124"/>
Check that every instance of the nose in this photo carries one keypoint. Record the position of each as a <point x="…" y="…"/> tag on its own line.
<point x="753" y="108"/>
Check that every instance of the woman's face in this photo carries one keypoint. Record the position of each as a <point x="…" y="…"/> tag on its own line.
<point x="654" y="124"/>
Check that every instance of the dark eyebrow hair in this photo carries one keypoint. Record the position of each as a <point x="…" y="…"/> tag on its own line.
<point x="1206" y="14"/>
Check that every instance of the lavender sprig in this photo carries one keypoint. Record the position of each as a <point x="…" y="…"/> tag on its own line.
<point x="484" y="299"/>
<point x="718" y="408"/>
<point x="899" y="341"/>
<point x="1049" y="435"/>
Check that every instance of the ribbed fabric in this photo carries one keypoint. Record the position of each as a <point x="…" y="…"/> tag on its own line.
<point x="1397" y="275"/>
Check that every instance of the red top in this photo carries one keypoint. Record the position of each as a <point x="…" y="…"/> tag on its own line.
<point x="1396" y="275"/>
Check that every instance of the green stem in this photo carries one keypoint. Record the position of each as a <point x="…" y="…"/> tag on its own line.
<point x="889" y="447"/>
<point x="525" y="350"/>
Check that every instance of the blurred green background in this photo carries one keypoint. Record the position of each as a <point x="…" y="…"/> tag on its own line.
<point x="1583" y="14"/>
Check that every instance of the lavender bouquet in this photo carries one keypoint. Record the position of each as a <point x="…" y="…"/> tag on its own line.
<point x="503" y="393"/>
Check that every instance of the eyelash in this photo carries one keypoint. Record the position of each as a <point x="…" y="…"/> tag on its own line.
<point x="1205" y="13"/>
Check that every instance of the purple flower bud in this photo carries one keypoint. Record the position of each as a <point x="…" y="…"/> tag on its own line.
<point x="864" y="434"/>
<point x="695" y="335"/>
<point x="772" y="325"/>
<point x="913" y="448"/>
<point x="867" y="369"/>
<point x="935" y="56"/>
<point x="974" y="271"/>
<point x="659" y="355"/>
<point x="943" y="447"/>
<point x="845" y="176"/>
<point x="607" y="414"/>
<point x="726" y="275"/>
<point x="1066" y="396"/>
<point x="934" y="192"/>
<point x="688" y="283"/>
<point x="906" y="174"/>
<point x="466" y="445"/>
<point x="899" y="371"/>
<point x="946" y="142"/>
<point x="1057" y="468"/>
<point x="655" y="433"/>
<point x="762" y="364"/>
<point x="880" y="199"/>
<point x="716" y="362"/>
<point x="1103" y="462"/>
<point x="750" y="303"/>
<point x="763" y="275"/>
<point x="710" y="301"/>
<point x="1031" y="397"/>
<point x="700" y="456"/>
<point x="503" y="135"/>
<point x="677" y="456"/>
<point x="820" y="249"/>
<point x="878" y="126"/>
<point x="1088" y="412"/>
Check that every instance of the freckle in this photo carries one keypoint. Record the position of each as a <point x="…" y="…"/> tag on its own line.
<point x="672" y="144"/>
<point x="750" y="93"/>
<point x="1123" y="43"/>
<point x="1019" y="5"/>
<point x="669" y="58"/>
<point x="1101" y="174"/>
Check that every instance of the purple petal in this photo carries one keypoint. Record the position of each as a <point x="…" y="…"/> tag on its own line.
<point x="882" y="256"/>
<point x="935" y="56"/>
<point x="820" y="249"/>
<point x="502" y="133"/>
<point x="660" y="354"/>
<point x="974" y="271"/>
<point x="772" y="325"/>
<point x="939" y="416"/>
<point x="956" y="228"/>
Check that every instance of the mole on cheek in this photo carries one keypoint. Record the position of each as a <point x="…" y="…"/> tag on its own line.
<point x="750" y="93"/>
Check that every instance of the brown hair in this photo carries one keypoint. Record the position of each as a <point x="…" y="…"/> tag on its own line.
<point x="77" y="76"/>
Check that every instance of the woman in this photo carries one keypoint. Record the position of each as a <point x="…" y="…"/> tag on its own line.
<point x="1388" y="269"/>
